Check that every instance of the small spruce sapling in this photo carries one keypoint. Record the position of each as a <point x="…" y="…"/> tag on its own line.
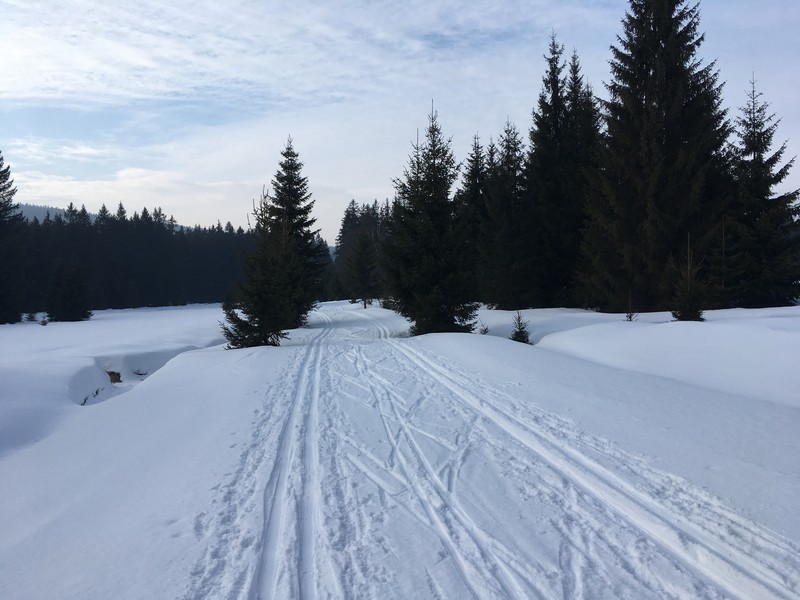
<point x="689" y="290"/>
<point x="520" y="333"/>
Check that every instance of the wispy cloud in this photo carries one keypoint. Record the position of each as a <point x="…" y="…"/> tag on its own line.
<point x="186" y="105"/>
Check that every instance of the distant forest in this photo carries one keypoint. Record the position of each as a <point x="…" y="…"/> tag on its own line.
<point x="654" y="199"/>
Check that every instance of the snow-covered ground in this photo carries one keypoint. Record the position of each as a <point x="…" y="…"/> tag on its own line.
<point x="649" y="459"/>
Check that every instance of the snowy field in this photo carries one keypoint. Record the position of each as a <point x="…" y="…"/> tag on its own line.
<point x="613" y="460"/>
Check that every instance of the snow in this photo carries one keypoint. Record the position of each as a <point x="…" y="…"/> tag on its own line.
<point x="612" y="459"/>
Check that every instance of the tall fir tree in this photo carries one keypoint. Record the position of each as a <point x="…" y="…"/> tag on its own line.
<point x="68" y="299"/>
<point x="664" y="173"/>
<point x="469" y="210"/>
<point x="554" y="226"/>
<point x="282" y="275"/>
<point x="290" y="206"/>
<point x="763" y="228"/>
<point x="423" y="267"/>
<point x="507" y="273"/>
<point x="11" y="222"/>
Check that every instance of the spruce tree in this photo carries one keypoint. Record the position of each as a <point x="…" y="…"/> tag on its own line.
<point x="69" y="294"/>
<point x="423" y="267"/>
<point x="763" y="231"/>
<point x="469" y="208"/>
<point x="290" y="208"/>
<point x="507" y="277"/>
<point x="663" y="174"/>
<point x="11" y="222"/>
<point x="282" y="274"/>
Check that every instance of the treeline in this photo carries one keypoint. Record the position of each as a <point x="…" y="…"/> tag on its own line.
<point x="651" y="200"/>
<point x="71" y="264"/>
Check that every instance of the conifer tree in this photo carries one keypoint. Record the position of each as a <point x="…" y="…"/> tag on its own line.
<point x="264" y="308"/>
<point x="520" y="332"/>
<point x="69" y="295"/>
<point x="664" y="172"/>
<point x="469" y="208"/>
<point x="282" y="275"/>
<point x="763" y="240"/>
<point x="423" y="267"/>
<point x="11" y="222"/>
<point x="507" y="277"/>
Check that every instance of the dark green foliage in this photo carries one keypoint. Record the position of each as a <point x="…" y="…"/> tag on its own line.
<point x="146" y="260"/>
<point x="762" y="258"/>
<point x="283" y="273"/>
<point x="68" y="299"/>
<point x="289" y="212"/>
<point x="664" y="170"/>
<point x="507" y="273"/>
<point x="520" y="333"/>
<point x="358" y="247"/>
<point x="689" y="290"/>
<point x="363" y="268"/>
<point x="265" y="306"/>
<point x="11" y="222"/>
<point x="564" y="140"/>
<point x="469" y="213"/>
<point x="424" y="270"/>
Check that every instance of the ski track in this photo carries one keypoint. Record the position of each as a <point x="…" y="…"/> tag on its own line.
<point x="745" y="571"/>
<point x="309" y="511"/>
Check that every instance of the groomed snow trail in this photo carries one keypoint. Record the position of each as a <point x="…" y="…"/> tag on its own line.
<point x="377" y="469"/>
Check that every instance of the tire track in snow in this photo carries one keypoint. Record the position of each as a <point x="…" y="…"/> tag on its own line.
<point x="296" y="443"/>
<point x="713" y="558"/>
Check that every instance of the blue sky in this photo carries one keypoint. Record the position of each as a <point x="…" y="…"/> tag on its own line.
<point x="187" y="105"/>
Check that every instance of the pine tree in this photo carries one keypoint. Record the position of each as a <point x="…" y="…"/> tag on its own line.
<point x="663" y="173"/>
<point x="469" y="208"/>
<point x="507" y="275"/>
<point x="290" y="207"/>
<point x="689" y="289"/>
<point x="520" y="333"/>
<point x="763" y="241"/>
<point x="69" y="295"/>
<point x="363" y="267"/>
<point x="423" y="267"/>
<point x="264" y="307"/>
<point x="282" y="275"/>
<point x="11" y="222"/>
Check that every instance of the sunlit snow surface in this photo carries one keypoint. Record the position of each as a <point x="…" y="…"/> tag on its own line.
<point x="649" y="459"/>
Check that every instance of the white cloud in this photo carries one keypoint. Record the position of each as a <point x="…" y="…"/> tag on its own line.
<point x="351" y="81"/>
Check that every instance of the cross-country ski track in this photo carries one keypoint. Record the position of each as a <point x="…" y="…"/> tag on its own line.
<point x="356" y="462"/>
<point x="385" y="466"/>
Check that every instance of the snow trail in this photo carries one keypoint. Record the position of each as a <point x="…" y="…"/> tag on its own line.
<point x="725" y="564"/>
<point x="371" y="473"/>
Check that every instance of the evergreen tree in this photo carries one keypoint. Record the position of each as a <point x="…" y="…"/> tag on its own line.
<point x="763" y="241"/>
<point x="11" y="222"/>
<point x="689" y="290"/>
<point x="282" y="275"/>
<point x="507" y="274"/>
<point x="69" y="295"/>
<point x="554" y="223"/>
<point x="265" y="306"/>
<point x="290" y="208"/>
<point x="423" y="266"/>
<point x="520" y="333"/>
<point x="664" y="172"/>
<point x="469" y="208"/>
<point x="363" y="267"/>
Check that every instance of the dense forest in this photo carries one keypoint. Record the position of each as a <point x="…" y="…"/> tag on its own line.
<point x="652" y="199"/>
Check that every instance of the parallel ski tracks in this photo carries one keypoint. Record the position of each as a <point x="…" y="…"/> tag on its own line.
<point x="730" y="567"/>
<point x="318" y="537"/>
<point x="295" y="466"/>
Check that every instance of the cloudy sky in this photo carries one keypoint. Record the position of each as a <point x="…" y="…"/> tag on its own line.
<point x="187" y="105"/>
